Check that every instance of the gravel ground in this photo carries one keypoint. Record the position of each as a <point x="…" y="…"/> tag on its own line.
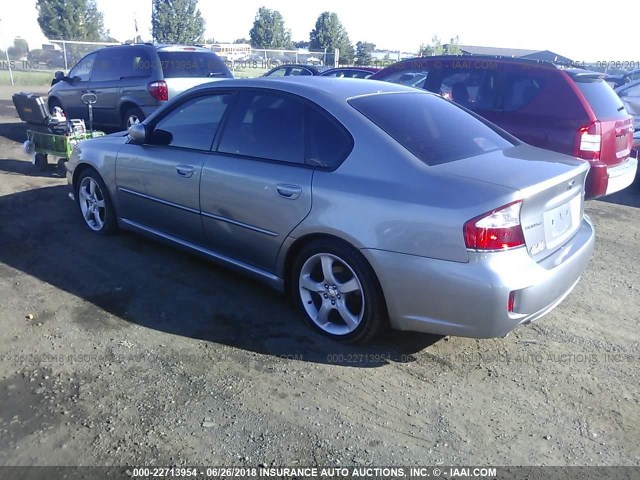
<point x="122" y="351"/>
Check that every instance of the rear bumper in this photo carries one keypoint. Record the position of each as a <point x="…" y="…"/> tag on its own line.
<point x="470" y="299"/>
<point x="622" y="175"/>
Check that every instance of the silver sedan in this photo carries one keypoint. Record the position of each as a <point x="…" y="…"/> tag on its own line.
<point x="373" y="204"/>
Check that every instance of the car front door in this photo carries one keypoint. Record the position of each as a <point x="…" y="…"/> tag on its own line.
<point x="159" y="182"/>
<point x="257" y="188"/>
<point x="70" y="91"/>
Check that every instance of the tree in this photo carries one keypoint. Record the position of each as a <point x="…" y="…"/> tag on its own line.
<point x="177" y="21"/>
<point x="301" y="44"/>
<point x="242" y="41"/>
<point x="19" y="50"/>
<point x="329" y="34"/>
<point x="65" y="20"/>
<point x="437" y="48"/>
<point x="268" y="30"/>
<point x="364" y="52"/>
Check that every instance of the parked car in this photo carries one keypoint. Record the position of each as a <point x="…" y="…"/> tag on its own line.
<point x="620" y="80"/>
<point x="132" y="81"/>
<point x="293" y="69"/>
<point x="567" y="110"/>
<point x="630" y="96"/>
<point x="373" y="204"/>
<point x="349" y="72"/>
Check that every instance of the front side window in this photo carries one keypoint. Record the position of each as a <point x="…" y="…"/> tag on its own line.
<point x="266" y="125"/>
<point x="83" y="68"/>
<point x="194" y="123"/>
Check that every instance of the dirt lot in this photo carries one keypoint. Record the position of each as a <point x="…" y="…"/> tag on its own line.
<point x="122" y="351"/>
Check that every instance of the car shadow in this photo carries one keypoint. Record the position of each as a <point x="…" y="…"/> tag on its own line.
<point x="27" y="169"/>
<point x="630" y="196"/>
<point x="159" y="287"/>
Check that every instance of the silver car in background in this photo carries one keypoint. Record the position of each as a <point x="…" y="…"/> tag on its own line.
<point x="373" y="204"/>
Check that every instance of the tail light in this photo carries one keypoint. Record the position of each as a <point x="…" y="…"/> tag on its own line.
<point x="589" y="142"/>
<point x="159" y="90"/>
<point x="498" y="229"/>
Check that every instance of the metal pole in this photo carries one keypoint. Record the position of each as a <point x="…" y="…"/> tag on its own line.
<point x="6" y="52"/>
<point x="64" y="50"/>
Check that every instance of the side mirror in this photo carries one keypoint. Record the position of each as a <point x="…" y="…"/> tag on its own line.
<point x="161" y="137"/>
<point x="138" y="133"/>
<point x="59" y="75"/>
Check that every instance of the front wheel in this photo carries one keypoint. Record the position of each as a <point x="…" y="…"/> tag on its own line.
<point x="338" y="292"/>
<point x="132" y="116"/>
<point x="95" y="204"/>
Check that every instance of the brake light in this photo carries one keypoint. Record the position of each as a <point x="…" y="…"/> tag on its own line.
<point x="159" y="90"/>
<point x="589" y="142"/>
<point x="498" y="229"/>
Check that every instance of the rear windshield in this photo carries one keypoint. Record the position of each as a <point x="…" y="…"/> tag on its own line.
<point x="193" y="64"/>
<point x="604" y="102"/>
<point x="430" y="127"/>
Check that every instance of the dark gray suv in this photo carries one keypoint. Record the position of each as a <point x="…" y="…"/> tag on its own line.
<point x="131" y="81"/>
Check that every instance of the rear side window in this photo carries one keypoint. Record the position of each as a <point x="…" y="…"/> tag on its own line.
<point x="192" y="64"/>
<point x="430" y="127"/>
<point x="327" y="143"/>
<point x="520" y="90"/>
<point x="604" y="102"/>
<point x="300" y="71"/>
<point x="265" y="125"/>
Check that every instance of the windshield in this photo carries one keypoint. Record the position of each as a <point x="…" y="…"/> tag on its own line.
<point x="430" y="127"/>
<point x="193" y="64"/>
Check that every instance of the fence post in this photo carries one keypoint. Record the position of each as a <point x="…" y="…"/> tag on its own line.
<point x="64" y="51"/>
<point x="6" y="52"/>
<point x="336" y="58"/>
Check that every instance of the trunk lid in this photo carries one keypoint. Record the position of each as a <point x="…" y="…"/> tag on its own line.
<point x="552" y="187"/>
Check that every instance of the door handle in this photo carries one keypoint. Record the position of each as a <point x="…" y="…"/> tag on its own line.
<point x="289" y="191"/>
<point x="185" y="171"/>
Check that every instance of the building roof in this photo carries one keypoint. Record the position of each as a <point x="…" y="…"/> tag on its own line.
<point x="546" y="55"/>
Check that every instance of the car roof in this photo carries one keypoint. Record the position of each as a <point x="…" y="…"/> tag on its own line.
<point x="315" y="87"/>
<point x="165" y="47"/>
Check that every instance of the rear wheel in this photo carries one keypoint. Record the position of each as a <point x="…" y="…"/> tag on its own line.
<point x="132" y="116"/>
<point x="95" y="203"/>
<point x="338" y="292"/>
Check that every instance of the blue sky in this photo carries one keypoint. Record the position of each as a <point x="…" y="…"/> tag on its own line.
<point x="586" y="31"/>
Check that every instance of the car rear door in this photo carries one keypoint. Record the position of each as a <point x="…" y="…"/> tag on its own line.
<point x="257" y="188"/>
<point x="159" y="182"/>
<point x="105" y="83"/>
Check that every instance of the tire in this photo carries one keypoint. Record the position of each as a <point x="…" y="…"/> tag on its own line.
<point x="41" y="162"/>
<point x="338" y="292"/>
<point x="53" y="103"/>
<point x="95" y="204"/>
<point x="131" y="116"/>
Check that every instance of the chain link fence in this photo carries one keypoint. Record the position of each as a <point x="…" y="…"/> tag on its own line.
<point x="27" y="64"/>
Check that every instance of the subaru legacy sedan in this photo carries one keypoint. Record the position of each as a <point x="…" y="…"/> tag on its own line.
<point x="374" y="205"/>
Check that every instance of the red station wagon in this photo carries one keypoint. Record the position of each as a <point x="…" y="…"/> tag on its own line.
<point x="567" y="110"/>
